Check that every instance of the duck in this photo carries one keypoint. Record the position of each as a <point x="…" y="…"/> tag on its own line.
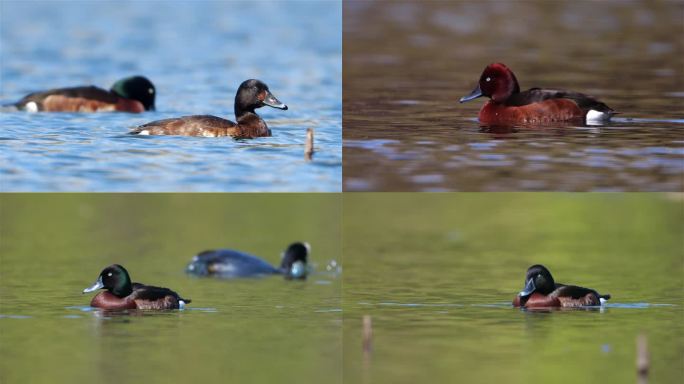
<point x="228" y="263"/>
<point x="121" y="294"/>
<point x="133" y="94"/>
<point x="541" y="291"/>
<point x="251" y="94"/>
<point x="509" y="106"/>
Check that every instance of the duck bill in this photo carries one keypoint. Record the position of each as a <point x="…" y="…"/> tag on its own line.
<point x="272" y="101"/>
<point x="98" y="285"/>
<point x="477" y="92"/>
<point x="529" y="288"/>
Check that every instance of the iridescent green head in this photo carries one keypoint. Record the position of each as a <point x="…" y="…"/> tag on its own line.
<point x="136" y="88"/>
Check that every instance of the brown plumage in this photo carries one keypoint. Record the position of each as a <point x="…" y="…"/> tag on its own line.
<point x="251" y="94"/>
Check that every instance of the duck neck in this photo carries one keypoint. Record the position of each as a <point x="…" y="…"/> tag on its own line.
<point x="123" y="289"/>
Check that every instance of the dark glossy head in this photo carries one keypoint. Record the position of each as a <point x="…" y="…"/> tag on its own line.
<point x="497" y="82"/>
<point x="538" y="279"/>
<point x="295" y="257"/>
<point x="136" y="88"/>
<point x="114" y="279"/>
<point x="254" y="94"/>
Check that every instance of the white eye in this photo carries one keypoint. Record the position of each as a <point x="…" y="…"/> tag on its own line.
<point x="109" y="274"/>
<point x="488" y="79"/>
<point x="150" y="90"/>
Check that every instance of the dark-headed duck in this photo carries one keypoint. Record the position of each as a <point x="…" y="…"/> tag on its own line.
<point x="227" y="263"/>
<point x="133" y="94"/>
<point x="510" y="106"/>
<point x="122" y="294"/>
<point x="542" y="292"/>
<point x="251" y="95"/>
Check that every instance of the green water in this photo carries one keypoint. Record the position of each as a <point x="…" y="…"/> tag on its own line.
<point x="259" y="330"/>
<point x="437" y="273"/>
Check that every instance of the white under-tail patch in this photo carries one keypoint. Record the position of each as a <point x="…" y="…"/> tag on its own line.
<point x="181" y="304"/>
<point x="31" y="106"/>
<point x="597" y="116"/>
<point x="602" y="301"/>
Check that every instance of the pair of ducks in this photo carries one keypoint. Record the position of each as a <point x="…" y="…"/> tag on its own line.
<point x="122" y="294"/>
<point x="137" y="94"/>
<point x="540" y="291"/>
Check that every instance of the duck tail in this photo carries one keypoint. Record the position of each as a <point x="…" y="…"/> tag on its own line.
<point x="182" y="302"/>
<point x="605" y="297"/>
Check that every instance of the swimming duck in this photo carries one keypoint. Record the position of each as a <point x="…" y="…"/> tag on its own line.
<point x="510" y="106"/>
<point x="122" y="294"/>
<point x="133" y="94"/>
<point x="228" y="263"/>
<point x="542" y="291"/>
<point x="251" y="94"/>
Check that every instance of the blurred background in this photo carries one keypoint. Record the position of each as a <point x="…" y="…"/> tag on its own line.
<point x="437" y="274"/>
<point x="196" y="53"/>
<point x="407" y="63"/>
<point x="250" y="330"/>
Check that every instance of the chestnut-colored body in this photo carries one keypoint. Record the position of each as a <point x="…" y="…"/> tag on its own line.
<point x="548" y="111"/>
<point x="133" y="94"/>
<point x="62" y="103"/>
<point x="107" y="300"/>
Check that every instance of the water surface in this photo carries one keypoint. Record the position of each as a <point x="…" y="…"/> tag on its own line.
<point x="247" y="331"/>
<point x="437" y="274"/>
<point x="406" y="64"/>
<point x="196" y="54"/>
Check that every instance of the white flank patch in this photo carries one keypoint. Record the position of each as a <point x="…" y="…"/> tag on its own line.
<point x="31" y="106"/>
<point x="181" y="304"/>
<point x="602" y="301"/>
<point x="597" y="116"/>
<point x="144" y="132"/>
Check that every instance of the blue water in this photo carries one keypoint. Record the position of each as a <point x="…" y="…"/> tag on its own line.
<point x="196" y="54"/>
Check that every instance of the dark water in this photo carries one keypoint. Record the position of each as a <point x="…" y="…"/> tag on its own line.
<point x="406" y="64"/>
<point x="437" y="274"/>
<point x="246" y="331"/>
<point x="196" y="54"/>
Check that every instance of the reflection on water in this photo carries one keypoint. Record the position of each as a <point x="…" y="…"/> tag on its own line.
<point x="408" y="63"/>
<point x="437" y="274"/>
<point x="196" y="64"/>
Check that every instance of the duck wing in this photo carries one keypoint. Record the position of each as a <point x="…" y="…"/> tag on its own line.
<point x="535" y="95"/>
<point x="90" y="93"/>
<point x="152" y="293"/>
<point x="229" y="263"/>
